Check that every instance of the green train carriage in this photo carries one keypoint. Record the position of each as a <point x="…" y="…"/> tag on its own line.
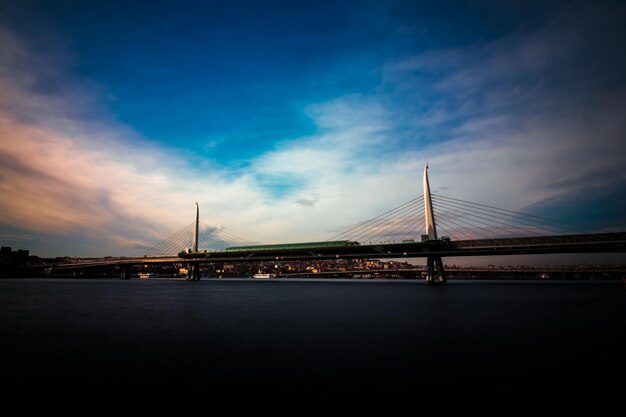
<point x="293" y="246"/>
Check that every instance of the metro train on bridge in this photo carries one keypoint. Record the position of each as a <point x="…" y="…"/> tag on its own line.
<point x="293" y="246"/>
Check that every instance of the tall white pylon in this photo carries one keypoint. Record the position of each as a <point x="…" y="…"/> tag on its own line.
<point x="193" y="268"/>
<point x="435" y="271"/>
<point x="195" y="230"/>
<point x="431" y="229"/>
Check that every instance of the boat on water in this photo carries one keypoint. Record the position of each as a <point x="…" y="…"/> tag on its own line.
<point x="264" y="276"/>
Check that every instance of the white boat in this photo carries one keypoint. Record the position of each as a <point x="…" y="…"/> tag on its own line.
<point x="264" y="276"/>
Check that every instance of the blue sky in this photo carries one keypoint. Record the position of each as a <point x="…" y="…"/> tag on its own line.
<point x="288" y="121"/>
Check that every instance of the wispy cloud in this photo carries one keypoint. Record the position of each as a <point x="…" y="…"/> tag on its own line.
<point x="518" y="120"/>
<point x="66" y="166"/>
<point x="306" y="202"/>
<point x="83" y="173"/>
<point x="7" y="235"/>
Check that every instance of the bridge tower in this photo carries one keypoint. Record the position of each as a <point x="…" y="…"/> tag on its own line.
<point x="194" y="268"/>
<point x="195" y="230"/>
<point x="435" y="272"/>
<point x="126" y="271"/>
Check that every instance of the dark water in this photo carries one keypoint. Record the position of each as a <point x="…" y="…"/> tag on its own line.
<point x="292" y="335"/>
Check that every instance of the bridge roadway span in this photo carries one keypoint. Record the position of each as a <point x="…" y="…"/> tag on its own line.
<point x="588" y="243"/>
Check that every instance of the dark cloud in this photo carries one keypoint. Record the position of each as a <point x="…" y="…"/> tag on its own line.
<point x="7" y="235"/>
<point x="306" y="202"/>
<point x="592" y="205"/>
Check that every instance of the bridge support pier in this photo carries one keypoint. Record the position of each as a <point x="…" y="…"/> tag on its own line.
<point x="435" y="272"/>
<point x="126" y="272"/>
<point x="193" y="272"/>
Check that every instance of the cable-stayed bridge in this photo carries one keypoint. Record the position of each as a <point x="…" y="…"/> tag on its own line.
<point x="409" y="230"/>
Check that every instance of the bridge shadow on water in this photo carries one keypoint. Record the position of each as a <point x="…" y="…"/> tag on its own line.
<point x="290" y="336"/>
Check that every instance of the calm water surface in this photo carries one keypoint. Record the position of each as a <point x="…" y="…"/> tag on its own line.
<point x="294" y="334"/>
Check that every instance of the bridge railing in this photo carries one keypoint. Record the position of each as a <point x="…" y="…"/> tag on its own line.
<point x="543" y="240"/>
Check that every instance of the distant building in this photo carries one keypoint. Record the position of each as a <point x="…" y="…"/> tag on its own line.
<point x="5" y="254"/>
<point x="22" y="255"/>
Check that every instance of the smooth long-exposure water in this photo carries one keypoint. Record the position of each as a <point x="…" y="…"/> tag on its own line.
<point x="295" y="334"/>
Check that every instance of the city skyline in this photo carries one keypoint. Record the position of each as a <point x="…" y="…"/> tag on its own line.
<point x="291" y="122"/>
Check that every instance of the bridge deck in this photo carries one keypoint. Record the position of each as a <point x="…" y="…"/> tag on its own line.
<point x="590" y="243"/>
